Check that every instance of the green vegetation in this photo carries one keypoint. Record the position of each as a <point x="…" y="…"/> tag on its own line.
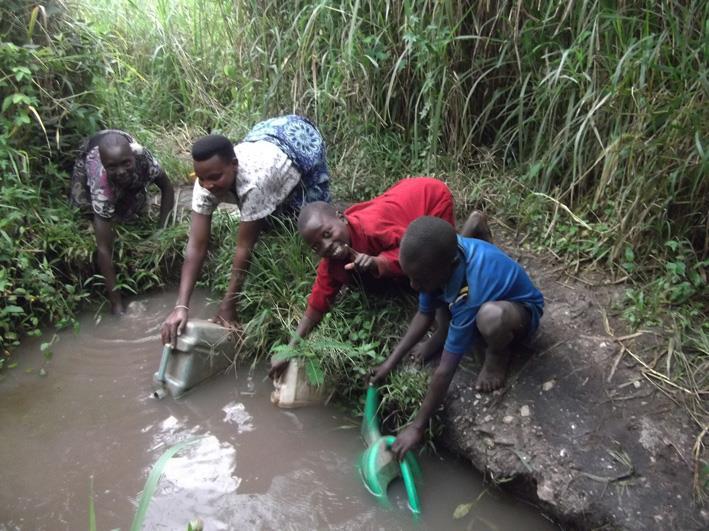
<point x="148" y="490"/>
<point x="583" y="125"/>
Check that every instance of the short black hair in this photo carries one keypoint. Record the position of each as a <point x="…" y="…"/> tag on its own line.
<point x="428" y="242"/>
<point x="306" y="213"/>
<point x="206" y="147"/>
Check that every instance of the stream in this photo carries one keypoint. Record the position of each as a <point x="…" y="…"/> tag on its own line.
<point x="86" y="417"/>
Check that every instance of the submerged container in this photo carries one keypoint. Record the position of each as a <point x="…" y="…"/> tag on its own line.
<point x="293" y="389"/>
<point x="377" y="465"/>
<point x="203" y="350"/>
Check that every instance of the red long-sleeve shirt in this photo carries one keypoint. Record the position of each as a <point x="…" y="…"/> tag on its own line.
<point x="376" y="228"/>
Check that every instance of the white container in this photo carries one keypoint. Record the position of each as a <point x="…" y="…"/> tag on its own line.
<point x="203" y="350"/>
<point x="292" y="389"/>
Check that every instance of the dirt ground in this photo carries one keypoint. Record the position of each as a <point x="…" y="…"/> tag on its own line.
<point x="578" y="429"/>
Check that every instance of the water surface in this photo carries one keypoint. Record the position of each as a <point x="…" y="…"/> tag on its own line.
<point x="254" y="467"/>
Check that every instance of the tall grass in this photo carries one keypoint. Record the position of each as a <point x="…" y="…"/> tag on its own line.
<point x="600" y="106"/>
<point x="583" y="123"/>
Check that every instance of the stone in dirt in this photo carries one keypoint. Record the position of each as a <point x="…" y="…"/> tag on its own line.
<point x="596" y="453"/>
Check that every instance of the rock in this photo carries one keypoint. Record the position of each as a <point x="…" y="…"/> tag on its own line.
<point x="548" y="386"/>
<point x="524" y="411"/>
<point x="508" y="419"/>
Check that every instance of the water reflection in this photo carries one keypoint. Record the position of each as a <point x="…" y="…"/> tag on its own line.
<point x="90" y="416"/>
<point x="235" y="413"/>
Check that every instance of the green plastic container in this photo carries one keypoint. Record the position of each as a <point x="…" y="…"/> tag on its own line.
<point x="378" y="466"/>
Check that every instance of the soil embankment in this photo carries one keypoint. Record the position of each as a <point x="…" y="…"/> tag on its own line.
<point x="578" y="429"/>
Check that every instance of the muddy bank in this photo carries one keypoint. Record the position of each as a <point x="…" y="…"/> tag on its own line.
<point x="578" y="429"/>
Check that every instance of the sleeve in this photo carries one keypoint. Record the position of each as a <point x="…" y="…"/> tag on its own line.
<point x="462" y="331"/>
<point x="150" y="164"/>
<point x="428" y="304"/>
<point x="325" y="287"/>
<point x="102" y="197"/>
<point x="266" y="178"/>
<point x="79" y="194"/>
<point x="203" y="201"/>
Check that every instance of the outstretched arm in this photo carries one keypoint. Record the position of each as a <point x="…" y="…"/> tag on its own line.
<point x="246" y="239"/>
<point x="309" y="321"/>
<point x="417" y="328"/>
<point x="196" y="251"/>
<point x="105" y="236"/>
<point x="437" y="389"/>
<point x="167" y="197"/>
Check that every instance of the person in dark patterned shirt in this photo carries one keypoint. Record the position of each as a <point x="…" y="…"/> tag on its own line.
<point x="110" y="181"/>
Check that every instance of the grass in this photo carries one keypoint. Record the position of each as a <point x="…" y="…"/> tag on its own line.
<point x="582" y="125"/>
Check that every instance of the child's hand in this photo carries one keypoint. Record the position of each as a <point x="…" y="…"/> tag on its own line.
<point x="380" y="373"/>
<point x="362" y="262"/>
<point x="277" y="369"/>
<point x="406" y="441"/>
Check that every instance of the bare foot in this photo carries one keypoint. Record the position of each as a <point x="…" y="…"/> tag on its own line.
<point x="492" y="375"/>
<point x="476" y="227"/>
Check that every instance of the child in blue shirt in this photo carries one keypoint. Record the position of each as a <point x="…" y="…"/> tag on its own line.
<point x="489" y="295"/>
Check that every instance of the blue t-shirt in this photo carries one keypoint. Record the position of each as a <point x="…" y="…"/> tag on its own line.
<point x="484" y="274"/>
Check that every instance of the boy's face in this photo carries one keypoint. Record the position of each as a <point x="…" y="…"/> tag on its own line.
<point x="216" y="175"/>
<point x="119" y="163"/>
<point x="328" y="235"/>
<point x="427" y="278"/>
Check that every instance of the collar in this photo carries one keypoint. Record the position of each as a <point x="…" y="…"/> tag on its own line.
<point x="358" y="241"/>
<point x="458" y="280"/>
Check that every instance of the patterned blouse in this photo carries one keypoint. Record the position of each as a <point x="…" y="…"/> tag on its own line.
<point x="265" y="176"/>
<point x="281" y="167"/>
<point x="92" y="190"/>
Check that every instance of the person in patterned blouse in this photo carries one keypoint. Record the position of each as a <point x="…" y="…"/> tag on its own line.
<point x="276" y="169"/>
<point x="110" y="181"/>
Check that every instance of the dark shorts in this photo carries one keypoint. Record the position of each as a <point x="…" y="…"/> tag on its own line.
<point x="535" y="312"/>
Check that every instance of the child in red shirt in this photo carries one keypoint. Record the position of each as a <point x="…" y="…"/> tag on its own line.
<point x="365" y="239"/>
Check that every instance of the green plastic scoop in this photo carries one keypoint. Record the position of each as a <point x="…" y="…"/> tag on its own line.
<point x="378" y="465"/>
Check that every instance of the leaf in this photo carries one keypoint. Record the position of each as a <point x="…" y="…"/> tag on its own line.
<point x="92" y="511"/>
<point x="152" y="482"/>
<point x="314" y="373"/>
<point x="462" y="510"/>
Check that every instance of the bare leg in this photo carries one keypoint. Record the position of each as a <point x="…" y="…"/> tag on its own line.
<point x="432" y="348"/>
<point x="476" y="227"/>
<point x="500" y="323"/>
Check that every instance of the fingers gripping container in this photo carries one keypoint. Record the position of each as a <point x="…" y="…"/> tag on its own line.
<point x="203" y="350"/>
<point x="378" y="466"/>
<point x="293" y="389"/>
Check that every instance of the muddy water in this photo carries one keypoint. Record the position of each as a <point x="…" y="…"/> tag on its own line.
<point x="88" y="415"/>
